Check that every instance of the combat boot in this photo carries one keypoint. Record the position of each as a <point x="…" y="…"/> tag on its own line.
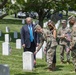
<point x="53" y="66"/>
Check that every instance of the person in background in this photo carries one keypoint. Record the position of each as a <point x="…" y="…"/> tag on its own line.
<point x="29" y="37"/>
<point x="64" y="34"/>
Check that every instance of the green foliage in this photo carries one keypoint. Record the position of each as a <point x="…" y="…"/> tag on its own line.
<point x="11" y="8"/>
<point x="37" y="5"/>
<point x="2" y="3"/>
<point x="42" y="7"/>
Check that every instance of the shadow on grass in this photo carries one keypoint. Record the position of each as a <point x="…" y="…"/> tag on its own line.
<point x="28" y="73"/>
<point x="59" y="67"/>
<point x="40" y="65"/>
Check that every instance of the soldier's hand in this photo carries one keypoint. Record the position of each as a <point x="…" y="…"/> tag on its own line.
<point x="37" y="44"/>
<point x="23" y="45"/>
<point x="45" y="51"/>
<point x="71" y="48"/>
<point x="35" y="52"/>
<point x="63" y="36"/>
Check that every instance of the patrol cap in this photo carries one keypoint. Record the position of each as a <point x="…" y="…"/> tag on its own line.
<point x="37" y="26"/>
<point x="63" y="21"/>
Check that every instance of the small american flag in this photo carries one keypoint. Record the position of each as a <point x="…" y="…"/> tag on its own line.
<point x="68" y="36"/>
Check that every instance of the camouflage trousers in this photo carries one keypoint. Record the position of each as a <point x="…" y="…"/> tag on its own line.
<point x="73" y="54"/>
<point x="66" y="49"/>
<point x="50" y="56"/>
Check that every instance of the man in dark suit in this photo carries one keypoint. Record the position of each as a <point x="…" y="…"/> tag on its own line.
<point x="29" y="37"/>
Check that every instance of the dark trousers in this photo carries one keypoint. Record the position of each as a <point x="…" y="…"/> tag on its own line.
<point x="31" y="49"/>
<point x="54" y="59"/>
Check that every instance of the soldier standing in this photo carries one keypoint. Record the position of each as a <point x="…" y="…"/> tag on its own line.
<point x="64" y="34"/>
<point x="73" y="41"/>
<point x="52" y="29"/>
<point x="46" y="35"/>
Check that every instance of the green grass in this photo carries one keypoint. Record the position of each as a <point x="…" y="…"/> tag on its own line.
<point x="14" y="60"/>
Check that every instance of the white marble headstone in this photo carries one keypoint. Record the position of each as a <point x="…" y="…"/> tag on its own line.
<point x="23" y="21"/>
<point x="5" y="48"/>
<point x="15" y="34"/>
<point x="0" y="33"/>
<point x="4" y="70"/>
<point x="7" y="29"/>
<point x="28" y="61"/>
<point x="57" y="24"/>
<point x="39" y="55"/>
<point x="44" y="44"/>
<point x="34" y="22"/>
<point x="68" y="25"/>
<point x="45" y="24"/>
<point x="6" y="37"/>
<point x="18" y="44"/>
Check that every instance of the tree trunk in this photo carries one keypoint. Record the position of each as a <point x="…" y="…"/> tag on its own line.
<point x="66" y="16"/>
<point x="41" y="20"/>
<point x="15" y="15"/>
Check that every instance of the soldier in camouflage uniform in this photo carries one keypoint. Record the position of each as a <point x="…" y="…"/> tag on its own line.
<point x="46" y="35"/>
<point x="64" y="34"/>
<point x="73" y="41"/>
<point x="52" y="28"/>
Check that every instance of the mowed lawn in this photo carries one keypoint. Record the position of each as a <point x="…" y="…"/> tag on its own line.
<point x="14" y="60"/>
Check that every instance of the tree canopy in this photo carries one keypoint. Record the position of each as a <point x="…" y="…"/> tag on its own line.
<point x="2" y="3"/>
<point x="42" y="7"/>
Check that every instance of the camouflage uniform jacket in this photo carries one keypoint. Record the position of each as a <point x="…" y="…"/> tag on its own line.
<point x="47" y="36"/>
<point x="67" y="33"/>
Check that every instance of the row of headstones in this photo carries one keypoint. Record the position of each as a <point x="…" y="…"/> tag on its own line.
<point x="6" y="46"/>
<point x="4" y="69"/>
<point x="7" y="29"/>
<point x="28" y="65"/>
<point x="6" y="49"/>
<point x="15" y="34"/>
